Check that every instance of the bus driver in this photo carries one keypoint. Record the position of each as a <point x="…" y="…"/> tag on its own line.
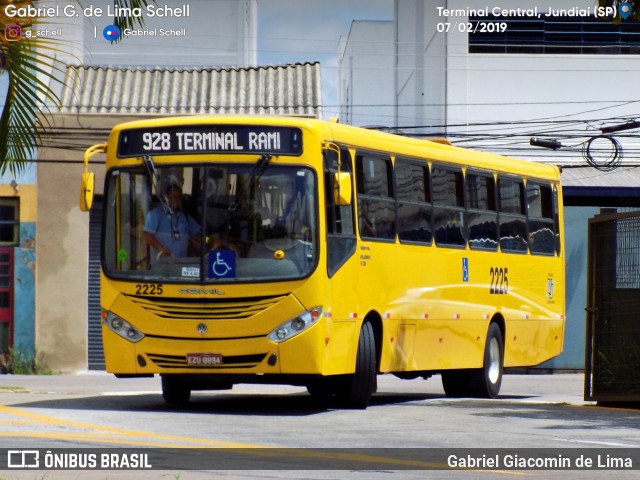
<point x="168" y="229"/>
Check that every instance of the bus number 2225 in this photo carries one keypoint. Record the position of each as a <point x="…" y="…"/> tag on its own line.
<point x="499" y="281"/>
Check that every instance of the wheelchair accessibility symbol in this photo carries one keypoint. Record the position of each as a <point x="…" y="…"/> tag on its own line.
<point x="222" y="264"/>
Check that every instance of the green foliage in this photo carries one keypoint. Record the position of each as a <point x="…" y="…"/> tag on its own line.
<point x="19" y="363"/>
<point x="28" y="74"/>
<point x="32" y="73"/>
<point x="617" y="368"/>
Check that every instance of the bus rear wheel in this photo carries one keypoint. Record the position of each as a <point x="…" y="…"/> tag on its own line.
<point x="489" y="378"/>
<point x="354" y="391"/>
<point x="483" y="382"/>
<point x="174" y="391"/>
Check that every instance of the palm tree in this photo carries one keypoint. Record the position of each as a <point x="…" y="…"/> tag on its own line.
<point x="29" y="64"/>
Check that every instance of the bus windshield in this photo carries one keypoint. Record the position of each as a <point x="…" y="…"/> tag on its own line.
<point x="211" y="223"/>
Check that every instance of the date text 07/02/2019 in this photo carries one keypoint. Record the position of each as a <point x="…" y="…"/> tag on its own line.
<point x="471" y="27"/>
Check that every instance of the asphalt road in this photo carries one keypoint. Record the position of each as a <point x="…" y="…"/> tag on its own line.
<point x="97" y="411"/>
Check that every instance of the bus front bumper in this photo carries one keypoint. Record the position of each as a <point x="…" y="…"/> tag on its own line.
<point x="303" y="354"/>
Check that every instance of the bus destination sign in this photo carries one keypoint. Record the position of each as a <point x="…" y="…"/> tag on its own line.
<point x="197" y="139"/>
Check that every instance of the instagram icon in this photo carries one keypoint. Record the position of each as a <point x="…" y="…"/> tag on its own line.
<point x="12" y="33"/>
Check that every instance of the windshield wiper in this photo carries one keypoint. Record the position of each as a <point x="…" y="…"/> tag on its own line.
<point x="153" y="173"/>
<point x="254" y="174"/>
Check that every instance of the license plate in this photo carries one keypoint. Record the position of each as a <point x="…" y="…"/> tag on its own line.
<point x="204" y="359"/>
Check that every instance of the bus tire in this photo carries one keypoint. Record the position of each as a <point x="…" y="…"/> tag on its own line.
<point x="174" y="391"/>
<point x="482" y="382"/>
<point x="487" y="380"/>
<point x="356" y="389"/>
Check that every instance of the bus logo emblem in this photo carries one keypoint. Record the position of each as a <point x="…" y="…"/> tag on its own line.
<point x="201" y="328"/>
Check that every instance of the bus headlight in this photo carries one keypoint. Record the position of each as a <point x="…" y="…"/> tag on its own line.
<point x="293" y="327"/>
<point x="121" y="327"/>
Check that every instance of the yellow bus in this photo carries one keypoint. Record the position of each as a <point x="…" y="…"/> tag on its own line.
<point x="307" y="252"/>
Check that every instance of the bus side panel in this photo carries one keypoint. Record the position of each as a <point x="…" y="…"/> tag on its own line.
<point x="343" y="342"/>
<point x="535" y="320"/>
<point x="343" y="308"/>
<point x="530" y="343"/>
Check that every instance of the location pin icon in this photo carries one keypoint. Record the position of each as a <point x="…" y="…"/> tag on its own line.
<point x="625" y="10"/>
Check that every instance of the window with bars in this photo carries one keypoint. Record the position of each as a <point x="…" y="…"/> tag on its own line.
<point x="9" y="221"/>
<point x="556" y="35"/>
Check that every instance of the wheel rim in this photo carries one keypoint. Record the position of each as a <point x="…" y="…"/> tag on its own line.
<point x="493" y="372"/>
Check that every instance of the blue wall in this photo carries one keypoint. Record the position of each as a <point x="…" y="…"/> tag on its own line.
<point x="24" y="292"/>
<point x="24" y="261"/>
<point x="576" y="243"/>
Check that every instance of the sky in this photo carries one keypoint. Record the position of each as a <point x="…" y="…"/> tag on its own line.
<point x="291" y="31"/>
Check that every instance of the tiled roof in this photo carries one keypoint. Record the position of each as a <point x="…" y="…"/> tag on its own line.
<point x="281" y="90"/>
<point x="626" y="177"/>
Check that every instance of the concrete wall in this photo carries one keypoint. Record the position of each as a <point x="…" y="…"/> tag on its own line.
<point x="523" y="87"/>
<point x="421" y="76"/>
<point x="367" y="59"/>
<point x="63" y="235"/>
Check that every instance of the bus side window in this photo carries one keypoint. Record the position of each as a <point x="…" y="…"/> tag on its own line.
<point x="556" y="218"/>
<point x="448" y="206"/>
<point x="482" y="216"/>
<point x="341" y="241"/>
<point x="513" y="224"/>
<point x="376" y="205"/>
<point x="415" y="210"/>
<point x="541" y="222"/>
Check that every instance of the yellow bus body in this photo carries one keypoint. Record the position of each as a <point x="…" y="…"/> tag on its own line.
<point x="426" y="319"/>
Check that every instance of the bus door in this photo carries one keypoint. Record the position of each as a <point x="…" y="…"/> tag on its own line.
<point x="6" y="300"/>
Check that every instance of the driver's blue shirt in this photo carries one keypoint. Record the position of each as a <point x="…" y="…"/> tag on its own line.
<point x="171" y="230"/>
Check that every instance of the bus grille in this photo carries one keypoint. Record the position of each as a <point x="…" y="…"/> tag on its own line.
<point x="204" y="309"/>
<point x="180" y="361"/>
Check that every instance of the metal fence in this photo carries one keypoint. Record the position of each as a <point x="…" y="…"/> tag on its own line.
<point x="612" y="363"/>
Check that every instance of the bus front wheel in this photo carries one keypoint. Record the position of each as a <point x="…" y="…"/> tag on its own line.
<point x="483" y="382"/>
<point x="355" y="390"/>
<point x="174" y="391"/>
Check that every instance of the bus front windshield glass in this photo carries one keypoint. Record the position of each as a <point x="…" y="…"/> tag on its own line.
<point x="222" y="223"/>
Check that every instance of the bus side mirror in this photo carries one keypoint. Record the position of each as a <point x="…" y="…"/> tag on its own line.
<point x="86" y="191"/>
<point x="88" y="178"/>
<point x="342" y="188"/>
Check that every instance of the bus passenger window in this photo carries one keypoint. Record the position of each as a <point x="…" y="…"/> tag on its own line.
<point x="376" y="205"/>
<point x="556" y="219"/>
<point x="415" y="210"/>
<point x="513" y="225"/>
<point x="448" y="207"/>
<point x="482" y="217"/>
<point x="541" y="223"/>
